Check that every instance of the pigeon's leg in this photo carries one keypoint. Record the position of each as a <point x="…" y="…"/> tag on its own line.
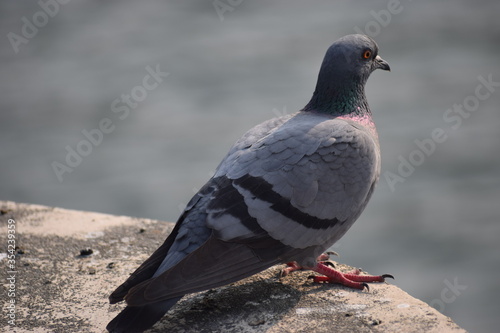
<point x="352" y="279"/>
<point x="294" y="266"/>
<point x="326" y="256"/>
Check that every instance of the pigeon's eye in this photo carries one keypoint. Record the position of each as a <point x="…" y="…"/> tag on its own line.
<point x="367" y="54"/>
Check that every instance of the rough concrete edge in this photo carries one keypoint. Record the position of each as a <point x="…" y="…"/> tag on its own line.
<point x="60" y="290"/>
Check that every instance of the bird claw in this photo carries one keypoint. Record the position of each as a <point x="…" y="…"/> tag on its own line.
<point x="326" y="279"/>
<point x="292" y="267"/>
<point x="328" y="263"/>
<point x="332" y="253"/>
<point x="326" y="256"/>
<point x="352" y="279"/>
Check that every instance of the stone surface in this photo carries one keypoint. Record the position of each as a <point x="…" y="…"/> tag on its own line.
<point x="60" y="287"/>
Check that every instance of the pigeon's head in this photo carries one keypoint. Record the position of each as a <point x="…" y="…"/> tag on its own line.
<point x="346" y="67"/>
<point x="352" y="58"/>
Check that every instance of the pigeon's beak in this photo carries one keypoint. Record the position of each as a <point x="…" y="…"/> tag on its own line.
<point x="381" y="64"/>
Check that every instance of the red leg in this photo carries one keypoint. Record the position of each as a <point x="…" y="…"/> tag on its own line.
<point x="352" y="279"/>
<point x="294" y="266"/>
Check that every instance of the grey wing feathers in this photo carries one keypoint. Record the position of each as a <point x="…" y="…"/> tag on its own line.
<point x="139" y="319"/>
<point x="214" y="264"/>
<point x="177" y="245"/>
<point x="312" y="172"/>
<point x="211" y="262"/>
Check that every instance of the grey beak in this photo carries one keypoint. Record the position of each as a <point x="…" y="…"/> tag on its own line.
<point x="381" y="64"/>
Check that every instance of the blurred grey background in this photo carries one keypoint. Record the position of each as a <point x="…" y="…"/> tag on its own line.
<point x="65" y="68"/>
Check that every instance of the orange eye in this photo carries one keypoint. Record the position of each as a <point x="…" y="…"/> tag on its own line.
<point x="367" y="54"/>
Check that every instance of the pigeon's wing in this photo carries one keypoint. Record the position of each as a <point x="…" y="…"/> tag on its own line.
<point x="294" y="188"/>
<point x="190" y="231"/>
<point x="305" y="183"/>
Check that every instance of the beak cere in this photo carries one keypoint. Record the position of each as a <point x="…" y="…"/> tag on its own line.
<point x="382" y="64"/>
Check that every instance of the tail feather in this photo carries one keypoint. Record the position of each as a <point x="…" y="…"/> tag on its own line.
<point x="140" y="318"/>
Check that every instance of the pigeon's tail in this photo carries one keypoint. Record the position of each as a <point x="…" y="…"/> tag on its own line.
<point x="140" y="318"/>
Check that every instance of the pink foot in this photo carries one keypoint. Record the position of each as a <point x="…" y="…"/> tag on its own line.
<point x="352" y="279"/>
<point x="294" y="266"/>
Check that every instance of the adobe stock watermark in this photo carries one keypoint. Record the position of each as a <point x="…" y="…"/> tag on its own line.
<point x="30" y="26"/>
<point x="382" y="19"/>
<point x="448" y="294"/>
<point x="11" y="307"/>
<point x="223" y="6"/>
<point x="121" y="108"/>
<point x="454" y="118"/>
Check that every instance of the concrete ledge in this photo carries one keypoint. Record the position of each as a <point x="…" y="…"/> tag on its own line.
<point x="59" y="287"/>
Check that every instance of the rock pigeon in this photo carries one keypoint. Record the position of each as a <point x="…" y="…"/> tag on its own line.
<point x="287" y="191"/>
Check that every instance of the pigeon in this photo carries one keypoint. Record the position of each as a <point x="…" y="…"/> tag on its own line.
<point x="286" y="191"/>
